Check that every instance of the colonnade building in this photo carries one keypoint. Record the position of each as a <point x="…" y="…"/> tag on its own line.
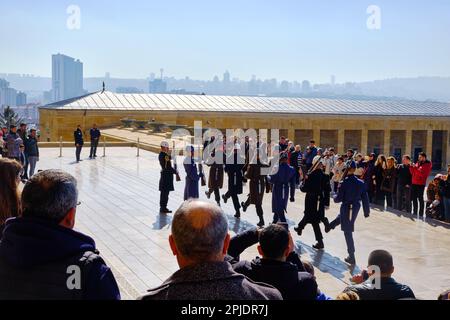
<point x="392" y="127"/>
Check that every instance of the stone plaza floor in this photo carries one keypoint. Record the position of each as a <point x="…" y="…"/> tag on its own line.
<point x="120" y="210"/>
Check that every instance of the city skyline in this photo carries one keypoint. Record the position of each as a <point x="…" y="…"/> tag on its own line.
<point x="202" y="39"/>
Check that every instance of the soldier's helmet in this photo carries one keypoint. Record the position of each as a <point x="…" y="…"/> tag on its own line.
<point x="164" y="144"/>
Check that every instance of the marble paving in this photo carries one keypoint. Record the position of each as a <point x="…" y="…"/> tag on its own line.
<point x="120" y="204"/>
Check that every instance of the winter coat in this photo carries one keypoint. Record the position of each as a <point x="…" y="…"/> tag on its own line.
<point x="420" y="172"/>
<point x="35" y="256"/>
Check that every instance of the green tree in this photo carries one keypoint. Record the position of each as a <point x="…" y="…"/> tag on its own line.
<point x="9" y="117"/>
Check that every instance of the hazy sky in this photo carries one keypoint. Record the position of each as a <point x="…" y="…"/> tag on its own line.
<point x="286" y="39"/>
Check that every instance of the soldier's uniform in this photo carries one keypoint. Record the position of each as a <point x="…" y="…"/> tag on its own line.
<point x="317" y="188"/>
<point x="216" y="173"/>
<point x="351" y="193"/>
<point x="283" y="189"/>
<point x="191" y="189"/>
<point x="233" y="168"/>
<point x="166" y="180"/>
<point x="257" y="189"/>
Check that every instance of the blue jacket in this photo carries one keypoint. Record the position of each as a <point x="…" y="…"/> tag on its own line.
<point x="283" y="187"/>
<point x="351" y="193"/>
<point x="30" y="243"/>
<point x="309" y="157"/>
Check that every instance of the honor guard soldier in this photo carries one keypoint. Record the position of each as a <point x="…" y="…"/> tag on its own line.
<point x="351" y="193"/>
<point x="215" y="180"/>
<point x="257" y="188"/>
<point x="283" y="188"/>
<point x="167" y="173"/>
<point x="233" y="167"/>
<point x="191" y="189"/>
<point x="79" y="142"/>
<point x="317" y="188"/>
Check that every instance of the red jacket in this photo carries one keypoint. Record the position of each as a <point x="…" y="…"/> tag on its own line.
<point x="420" y="172"/>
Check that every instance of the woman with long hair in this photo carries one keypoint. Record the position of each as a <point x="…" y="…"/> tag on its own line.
<point x="389" y="179"/>
<point x="10" y="171"/>
<point x="380" y="166"/>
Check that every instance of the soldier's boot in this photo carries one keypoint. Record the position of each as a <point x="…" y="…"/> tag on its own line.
<point x="261" y="222"/>
<point x="298" y="230"/>
<point x="319" y="245"/>
<point x="350" y="259"/>
<point x="208" y="194"/>
<point x="237" y="214"/>
<point x="244" y="207"/>
<point x="218" y="203"/>
<point x="225" y="199"/>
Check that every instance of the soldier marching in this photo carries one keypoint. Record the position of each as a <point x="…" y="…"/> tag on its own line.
<point x="315" y="183"/>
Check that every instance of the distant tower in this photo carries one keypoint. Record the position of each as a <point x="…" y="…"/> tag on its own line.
<point x="226" y="77"/>
<point x="158" y="85"/>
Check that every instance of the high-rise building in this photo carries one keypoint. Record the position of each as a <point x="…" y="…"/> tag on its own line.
<point x="4" y="83"/>
<point x="306" y="86"/>
<point x="226" y="77"/>
<point x="157" y="86"/>
<point x="8" y="97"/>
<point x="21" y="98"/>
<point x="67" y="77"/>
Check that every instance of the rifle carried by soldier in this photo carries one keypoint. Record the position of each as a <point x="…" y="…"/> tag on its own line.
<point x="202" y="174"/>
<point x="175" y="166"/>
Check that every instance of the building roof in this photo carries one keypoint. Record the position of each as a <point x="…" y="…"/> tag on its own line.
<point x="203" y="103"/>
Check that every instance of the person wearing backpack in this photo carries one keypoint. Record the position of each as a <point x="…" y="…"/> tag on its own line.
<point x="42" y="257"/>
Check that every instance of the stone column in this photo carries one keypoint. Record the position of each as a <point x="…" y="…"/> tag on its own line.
<point x="341" y="138"/>
<point x="387" y="142"/>
<point x="316" y="136"/>
<point x="291" y="134"/>
<point x="429" y="147"/>
<point x="408" y="143"/>
<point x="364" y="141"/>
<point x="447" y="143"/>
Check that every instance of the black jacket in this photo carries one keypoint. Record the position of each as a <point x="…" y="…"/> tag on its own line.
<point x="31" y="147"/>
<point x="284" y="276"/>
<point x="389" y="290"/>
<point x="78" y="136"/>
<point x="288" y="277"/>
<point x="444" y="188"/>
<point x="404" y="176"/>
<point x="167" y="172"/>
<point x="317" y="188"/>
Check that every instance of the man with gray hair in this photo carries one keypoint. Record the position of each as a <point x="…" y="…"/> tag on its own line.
<point x="200" y="242"/>
<point x="42" y="257"/>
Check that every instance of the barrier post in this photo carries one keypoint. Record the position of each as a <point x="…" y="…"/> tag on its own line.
<point x="104" y="146"/>
<point x="138" y="146"/>
<point x="60" y="146"/>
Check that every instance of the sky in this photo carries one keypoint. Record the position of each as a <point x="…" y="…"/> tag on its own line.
<point x="283" y="39"/>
